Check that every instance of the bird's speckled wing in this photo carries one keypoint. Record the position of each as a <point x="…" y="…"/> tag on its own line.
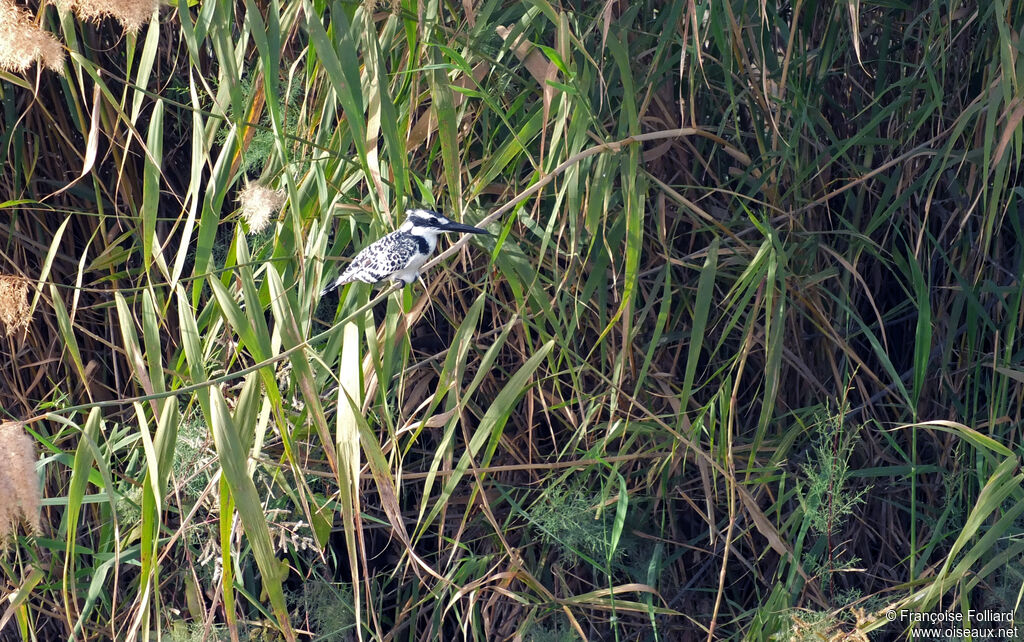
<point x="378" y="260"/>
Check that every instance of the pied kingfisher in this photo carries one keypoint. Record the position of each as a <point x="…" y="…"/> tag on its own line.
<point x="401" y="254"/>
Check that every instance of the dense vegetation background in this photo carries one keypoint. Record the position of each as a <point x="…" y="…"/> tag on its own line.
<point x="742" y="357"/>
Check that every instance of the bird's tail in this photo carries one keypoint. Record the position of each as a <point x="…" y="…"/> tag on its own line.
<point x="334" y="285"/>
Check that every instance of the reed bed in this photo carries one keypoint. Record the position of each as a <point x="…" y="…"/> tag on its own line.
<point x="741" y="358"/>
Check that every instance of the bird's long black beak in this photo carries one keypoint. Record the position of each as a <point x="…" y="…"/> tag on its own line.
<point x="468" y="229"/>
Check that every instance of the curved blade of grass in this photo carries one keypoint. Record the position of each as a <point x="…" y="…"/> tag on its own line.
<point x="190" y="339"/>
<point x="491" y="425"/>
<point x="382" y="109"/>
<point x="44" y="271"/>
<point x="664" y="310"/>
<point x="451" y="376"/>
<point x="347" y="444"/>
<point x="240" y="322"/>
<point x="226" y="513"/>
<point x="923" y="332"/>
<point x="192" y="344"/>
<point x="775" y="299"/>
<point x="233" y="457"/>
<point x="350" y="386"/>
<point x="1000" y="485"/>
<point x="621" y="508"/>
<point x="83" y="466"/>
<point x="701" y="309"/>
<point x="376" y="96"/>
<point x="151" y="340"/>
<point x="342" y="68"/>
<point x="454" y="368"/>
<point x="386" y="487"/>
<point x="149" y="538"/>
<point x="145" y="67"/>
<point x="68" y="334"/>
<point x="19" y="598"/>
<point x="131" y="346"/>
<point x="192" y="199"/>
<point x="209" y="219"/>
<point x="977" y="439"/>
<point x="443" y="104"/>
<point x="285" y="315"/>
<point x="151" y="182"/>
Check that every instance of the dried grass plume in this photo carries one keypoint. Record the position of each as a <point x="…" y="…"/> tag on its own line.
<point x="132" y="14"/>
<point x="23" y="42"/>
<point x="20" y="497"/>
<point x="259" y="204"/>
<point x="15" y="314"/>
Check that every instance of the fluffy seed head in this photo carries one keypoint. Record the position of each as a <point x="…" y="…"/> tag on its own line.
<point x="259" y="204"/>
<point x="19" y="486"/>
<point x="23" y="42"/>
<point x="14" y="311"/>
<point x="132" y="14"/>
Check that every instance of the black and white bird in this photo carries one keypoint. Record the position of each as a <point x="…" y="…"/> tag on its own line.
<point x="400" y="255"/>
